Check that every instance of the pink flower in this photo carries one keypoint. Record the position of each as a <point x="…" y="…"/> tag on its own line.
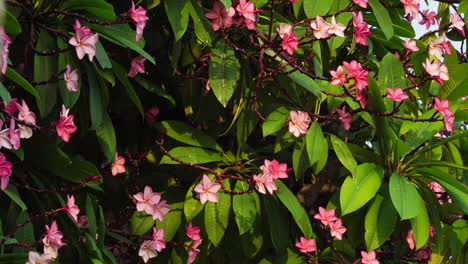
<point x="369" y="258"/>
<point x="275" y="169"/>
<point x="264" y="183"/>
<point x="220" y="16"/>
<point x="246" y="10"/>
<point x="193" y="232"/>
<point x="336" y="28"/>
<point x="119" y="165"/>
<point x="299" y="122"/>
<point x="448" y="123"/>
<point x="345" y="117"/>
<point x="72" y="208"/>
<point x="6" y="41"/>
<point x="361" y="29"/>
<point x="138" y="66"/>
<point x="306" y="245"/>
<point x="361" y="97"/>
<point x="284" y="29"/>
<point x="337" y="229"/>
<point x="27" y="117"/>
<point x="320" y="27"/>
<point x="457" y="23"/>
<point x="5" y="171"/>
<point x="193" y="251"/>
<point x="151" y="115"/>
<point x="410" y="45"/>
<point x="207" y="190"/>
<point x="437" y="70"/>
<point x="428" y="18"/>
<point x="357" y="73"/>
<point x="439" y="46"/>
<point x="148" y="250"/>
<point x="339" y="77"/>
<point x="83" y="41"/>
<point x="65" y="126"/>
<point x="326" y="216"/>
<point x="35" y="258"/>
<point x="396" y="95"/>
<point x="52" y="240"/>
<point x="411" y="7"/>
<point x="410" y="239"/>
<point x="71" y="79"/>
<point x="361" y="3"/>
<point x="12" y="106"/>
<point x="10" y="137"/>
<point x="158" y="239"/>
<point x="139" y="19"/>
<point x="151" y="203"/>
<point x="290" y="43"/>
<point x="442" y="107"/>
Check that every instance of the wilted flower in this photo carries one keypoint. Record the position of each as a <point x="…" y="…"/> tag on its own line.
<point x="138" y="66"/>
<point x="139" y="19"/>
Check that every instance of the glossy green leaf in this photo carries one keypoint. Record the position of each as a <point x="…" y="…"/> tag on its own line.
<point x="106" y="137"/>
<point x="344" y="154"/>
<point x="18" y="79"/>
<point x="5" y="94"/>
<point x="12" y="192"/>
<point x="313" y="8"/>
<point x="98" y="8"/>
<point x="217" y="216"/>
<point x="405" y="197"/>
<point x="192" y="155"/>
<point x="173" y="219"/>
<point x="383" y="17"/>
<point x="140" y="223"/>
<point x="102" y="57"/>
<point x="90" y="213"/>
<point x="192" y="207"/>
<point x="188" y="135"/>
<point x="122" y="76"/>
<point x="300" y="160"/>
<point x="154" y="88"/>
<point x="45" y="67"/>
<point x="12" y="27"/>
<point x="295" y="208"/>
<point x="420" y="226"/>
<point x="223" y="72"/>
<point x="275" y="121"/>
<point x="246" y="207"/>
<point x="202" y="26"/>
<point x="380" y="221"/>
<point x="277" y="220"/>
<point x="178" y="14"/>
<point x="305" y="81"/>
<point x="391" y="73"/>
<point x="96" y="105"/>
<point x="358" y="190"/>
<point x="316" y="143"/>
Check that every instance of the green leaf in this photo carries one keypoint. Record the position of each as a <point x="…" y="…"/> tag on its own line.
<point x="245" y="207"/>
<point x="203" y="29"/>
<point x="98" y="8"/>
<point x="192" y="207"/>
<point x="188" y="135"/>
<point x="45" y="67"/>
<point x="305" y="81"/>
<point x="295" y="208"/>
<point x="12" y="27"/>
<point x="5" y="94"/>
<point x="275" y="121"/>
<point x="277" y="221"/>
<point x="173" y="219"/>
<point x="217" y="216"/>
<point x="124" y="36"/>
<point x="383" y="17"/>
<point x="380" y="221"/>
<point x="223" y="72"/>
<point x="405" y="197"/>
<point x="90" y="213"/>
<point x="154" y="88"/>
<point x="344" y="154"/>
<point x="316" y="143"/>
<point x="391" y="73"/>
<point x="226" y="3"/>
<point x="140" y="223"/>
<point x="357" y="191"/>
<point x="12" y="192"/>
<point x="18" y="79"/>
<point x="178" y="13"/>
<point x="122" y="76"/>
<point x="421" y="225"/>
<point x="102" y="57"/>
<point x="300" y="159"/>
<point x="96" y="106"/>
<point x="192" y="155"/>
<point x="313" y="8"/>
<point x="106" y="137"/>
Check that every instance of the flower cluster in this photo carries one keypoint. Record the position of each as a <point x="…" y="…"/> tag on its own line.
<point x="439" y="192"/>
<point x="223" y="17"/>
<point x="328" y="218"/>
<point x="5" y="44"/>
<point x="361" y="29"/>
<point x="150" y="248"/>
<point x="355" y="72"/>
<point x="193" y="233"/>
<point x="443" y="108"/>
<point x="52" y="240"/>
<point x="322" y="29"/>
<point x="271" y="170"/>
<point x="150" y="203"/>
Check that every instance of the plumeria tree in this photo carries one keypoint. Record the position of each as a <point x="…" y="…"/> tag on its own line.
<point x="233" y="131"/>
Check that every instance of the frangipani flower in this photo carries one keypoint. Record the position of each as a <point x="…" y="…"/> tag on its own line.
<point x="193" y="232"/>
<point x="396" y="94"/>
<point x="361" y="29"/>
<point x="320" y="27"/>
<point x="299" y="122"/>
<point x="336" y="28"/>
<point x="5" y="171"/>
<point x="275" y="169"/>
<point x="411" y="7"/>
<point x="207" y="190"/>
<point x="138" y="66"/>
<point x="6" y="41"/>
<point x="35" y="258"/>
<point x="65" y="126"/>
<point x="53" y="240"/>
<point x="428" y="18"/>
<point x="119" y="165"/>
<point x="339" y="77"/>
<point x="284" y="29"/>
<point x="326" y="216"/>
<point x="361" y="3"/>
<point x="264" y="183"/>
<point x="71" y="79"/>
<point x="410" y="45"/>
<point x="306" y="245"/>
<point x="220" y="16"/>
<point x="290" y="43"/>
<point x="458" y="23"/>
<point x="369" y="258"/>
<point x="139" y="19"/>
<point x="345" y="117"/>
<point x="72" y="208"/>
<point x="83" y="41"/>
<point x="337" y="229"/>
